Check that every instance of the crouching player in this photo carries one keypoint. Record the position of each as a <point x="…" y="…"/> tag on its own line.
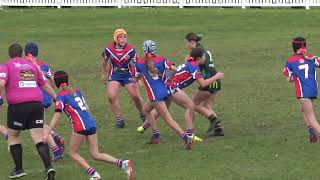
<point x="152" y="70"/>
<point x="56" y="142"/>
<point x="73" y="104"/>
<point x="301" y="69"/>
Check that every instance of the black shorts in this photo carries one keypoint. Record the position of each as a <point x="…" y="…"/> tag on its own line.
<point x="212" y="88"/>
<point x="28" y="115"/>
<point x="88" y="132"/>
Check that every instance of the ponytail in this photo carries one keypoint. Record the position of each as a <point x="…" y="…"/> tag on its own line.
<point x="194" y="37"/>
<point x="69" y="89"/>
<point x="149" y="64"/>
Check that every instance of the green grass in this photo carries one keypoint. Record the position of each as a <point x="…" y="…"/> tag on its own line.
<point x="265" y="136"/>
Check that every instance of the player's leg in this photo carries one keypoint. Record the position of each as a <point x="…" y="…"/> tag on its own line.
<point x="183" y="100"/>
<point x="35" y="125"/>
<point x="307" y="108"/>
<point x="15" y="123"/>
<point x="155" y="114"/>
<point x="96" y="155"/>
<point x="16" y="153"/>
<point x="218" y="130"/>
<point x="148" y="109"/>
<point x="133" y="90"/>
<point x="57" y="154"/>
<point x="75" y="142"/>
<point x="113" y="97"/>
<point x="313" y="136"/>
<point x="4" y="131"/>
<point x="165" y="114"/>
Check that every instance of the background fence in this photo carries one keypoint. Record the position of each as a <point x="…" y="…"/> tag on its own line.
<point x="163" y="3"/>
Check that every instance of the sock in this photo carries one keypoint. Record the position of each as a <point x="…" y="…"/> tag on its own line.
<point x="55" y="136"/>
<point x="189" y="132"/>
<point x="212" y="118"/>
<point x="16" y="152"/>
<point x="5" y="135"/>
<point x="56" y="151"/>
<point x="311" y="130"/>
<point x="120" y="120"/>
<point x="156" y="134"/>
<point x="146" y="125"/>
<point x="142" y="117"/>
<point x="43" y="150"/>
<point x="91" y="171"/>
<point x="119" y="163"/>
<point x="185" y="137"/>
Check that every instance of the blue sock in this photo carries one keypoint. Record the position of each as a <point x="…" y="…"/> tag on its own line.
<point x="56" y="151"/>
<point x="189" y="132"/>
<point x="185" y="137"/>
<point x="142" y="117"/>
<point x="119" y="163"/>
<point x="120" y="120"/>
<point x="146" y="125"/>
<point x="156" y="134"/>
<point x="91" y="171"/>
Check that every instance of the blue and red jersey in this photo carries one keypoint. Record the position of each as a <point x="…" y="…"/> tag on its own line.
<point x="154" y="83"/>
<point x="121" y="59"/>
<point x="186" y="74"/>
<point x="76" y="110"/>
<point x="303" y="70"/>
<point x="47" y="74"/>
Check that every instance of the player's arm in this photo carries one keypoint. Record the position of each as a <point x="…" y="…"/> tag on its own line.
<point x="54" y="121"/>
<point x="287" y="72"/>
<point x="104" y="65"/>
<point x="49" y="90"/>
<point x="206" y="82"/>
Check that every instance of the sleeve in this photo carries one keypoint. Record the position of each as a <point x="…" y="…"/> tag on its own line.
<point x="59" y="105"/>
<point x="134" y="56"/>
<point x="287" y="71"/>
<point x="40" y="77"/>
<point x="47" y="72"/>
<point x="195" y="72"/>
<point x="106" y="54"/>
<point x="317" y="62"/>
<point x="167" y="64"/>
<point x="4" y="73"/>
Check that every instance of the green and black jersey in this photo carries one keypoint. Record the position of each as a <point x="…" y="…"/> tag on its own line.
<point x="208" y="70"/>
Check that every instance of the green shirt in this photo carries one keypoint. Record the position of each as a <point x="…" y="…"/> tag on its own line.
<point x="208" y="69"/>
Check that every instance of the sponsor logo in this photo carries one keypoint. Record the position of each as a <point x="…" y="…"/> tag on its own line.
<point x="40" y="121"/>
<point x="17" y="124"/>
<point x="3" y="74"/>
<point x="27" y="84"/>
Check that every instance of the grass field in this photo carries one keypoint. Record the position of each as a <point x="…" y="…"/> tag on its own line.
<point x="265" y="136"/>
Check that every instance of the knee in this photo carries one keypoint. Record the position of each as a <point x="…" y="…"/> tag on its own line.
<point x="95" y="156"/>
<point x="191" y="106"/>
<point x="112" y="99"/>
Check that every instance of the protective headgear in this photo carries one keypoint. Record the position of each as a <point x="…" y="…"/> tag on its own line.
<point x="149" y="46"/>
<point x="118" y="32"/>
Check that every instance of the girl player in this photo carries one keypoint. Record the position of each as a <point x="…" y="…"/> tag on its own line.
<point x="152" y="70"/>
<point x="73" y="104"/>
<point x="122" y="56"/>
<point x="301" y="69"/>
<point x="205" y="96"/>
<point x="186" y="74"/>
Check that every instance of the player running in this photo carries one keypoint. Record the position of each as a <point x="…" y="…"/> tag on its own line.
<point x="301" y="69"/>
<point x="152" y="70"/>
<point x="84" y="127"/>
<point x="55" y="142"/>
<point x="205" y="96"/>
<point x="122" y="58"/>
